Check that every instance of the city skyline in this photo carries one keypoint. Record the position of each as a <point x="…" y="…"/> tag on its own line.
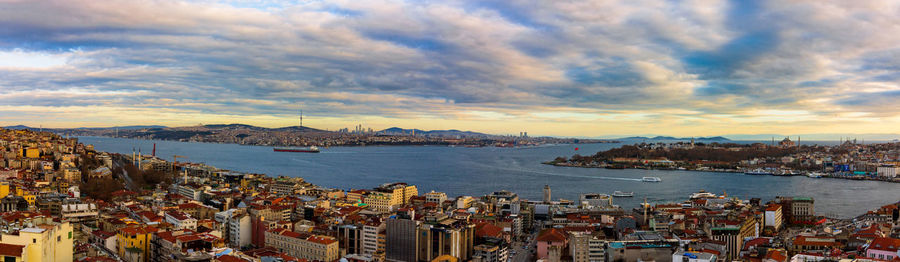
<point x="580" y="69"/>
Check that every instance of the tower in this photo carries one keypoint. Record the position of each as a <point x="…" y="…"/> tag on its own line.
<point x="645" y="210"/>
<point x="301" y="118"/>
<point x="547" y="194"/>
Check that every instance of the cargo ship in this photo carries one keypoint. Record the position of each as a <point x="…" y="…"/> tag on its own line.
<point x="312" y="149"/>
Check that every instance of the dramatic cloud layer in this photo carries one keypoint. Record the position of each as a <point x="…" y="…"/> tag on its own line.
<point x="548" y="67"/>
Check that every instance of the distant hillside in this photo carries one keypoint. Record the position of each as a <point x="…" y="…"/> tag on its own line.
<point x="18" y="127"/>
<point x="86" y="128"/>
<point x="451" y="132"/>
<point x="659" y="138"/>
<point x="122" y="127"/>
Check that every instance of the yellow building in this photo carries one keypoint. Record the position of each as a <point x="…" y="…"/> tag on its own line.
<point x="133" y="243"/>
<point x="46" y="242"/>
<point x="388" y="196"/>
<point x="303" y="246"/>
<point x="4" y="189"/>
<point x="32" y="152"/>
<point x="30" y="198"/>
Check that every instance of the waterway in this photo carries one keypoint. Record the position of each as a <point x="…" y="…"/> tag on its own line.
<point x="478" y="171"/>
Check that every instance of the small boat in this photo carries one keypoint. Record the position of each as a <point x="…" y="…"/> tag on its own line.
<point x="312" y="149"/>
<point x="622" y="194"/>
<point x="814" y="175"/>
<point x="651" y="179"/>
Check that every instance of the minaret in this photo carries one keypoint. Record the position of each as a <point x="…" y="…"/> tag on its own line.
<point x="645" y="210"/>
<point x="546" y="193"/>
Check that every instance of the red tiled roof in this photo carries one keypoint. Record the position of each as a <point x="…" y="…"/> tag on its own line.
<point x="488" y="230"/>
<point x="135" y="230"/>
<point x="885" y="244"/>
<point x="11" y="250"/>
<point x="103" y="234"/>
<point x="189" y="205"/>
<point x="552" y="235"/>
<point x="777" y="255"/>
<point x="178" y="215"/>
<point x="324" y="240"/>
<point x="229" y="258"/>
<point x="811" y="241"/>
<point x="755" y="242"/>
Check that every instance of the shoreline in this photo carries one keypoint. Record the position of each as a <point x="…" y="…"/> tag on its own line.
<point x="444" y="144"/>
<point x="825" y="175"/>
<point x="672" y="200"/>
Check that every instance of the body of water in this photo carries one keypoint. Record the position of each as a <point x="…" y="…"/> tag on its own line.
<point x="478" y="171"/>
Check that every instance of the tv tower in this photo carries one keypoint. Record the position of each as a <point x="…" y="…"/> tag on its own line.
<point x="301" y="118"/>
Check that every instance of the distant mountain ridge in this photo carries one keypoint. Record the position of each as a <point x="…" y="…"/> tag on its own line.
<point x="88" y="128"/>
<point x="451" y="132"/>
<point x="713" y="138"/>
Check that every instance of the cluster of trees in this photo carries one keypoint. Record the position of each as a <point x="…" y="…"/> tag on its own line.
<point x="97" y="188"/>
<point x="147" y="179"/>
<point x="103" y="188"/>
<point x="727" y="152"/>
<point x="100" y="188"/>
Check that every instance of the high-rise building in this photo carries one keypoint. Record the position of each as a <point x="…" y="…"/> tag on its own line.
<point x="400" y="239"/>
<point x="445" y="237"/>
<point x="547" y="194"/>
<point x="350" y="239"/>
<point x="587" y="247"/>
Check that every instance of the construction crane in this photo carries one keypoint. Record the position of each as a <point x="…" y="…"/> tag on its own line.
<point x="175" y="167"/>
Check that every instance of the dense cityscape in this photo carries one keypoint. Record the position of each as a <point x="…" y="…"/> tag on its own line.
<point x="149" y="209"/>
<point x="449" y="131"/>
<point x="306" y="136"/>
<point x="848" y="160"/>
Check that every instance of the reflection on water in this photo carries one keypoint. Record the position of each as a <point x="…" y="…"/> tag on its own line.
<point x="477" y="171"/>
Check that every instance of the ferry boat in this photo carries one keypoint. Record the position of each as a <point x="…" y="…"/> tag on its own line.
<point x="651" y="179"/>
<point x="312" y="149"/>
<point x="703" y="194"/>
<point x="758" y="172"/>
<point x="622" y="194"/>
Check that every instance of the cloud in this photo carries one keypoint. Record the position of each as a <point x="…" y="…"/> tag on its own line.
<point x="556" y="62"/>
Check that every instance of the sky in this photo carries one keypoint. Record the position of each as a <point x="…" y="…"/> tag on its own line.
<point x="561" y="68"/>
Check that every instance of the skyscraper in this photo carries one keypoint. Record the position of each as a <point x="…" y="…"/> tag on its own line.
<point x="546" y="193"/>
